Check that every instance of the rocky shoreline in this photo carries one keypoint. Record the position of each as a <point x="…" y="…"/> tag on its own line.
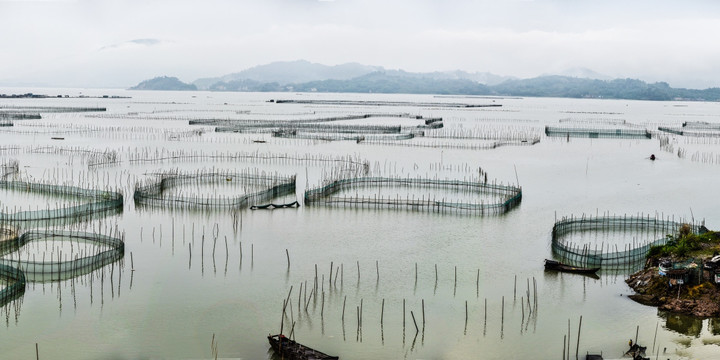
<point x="653" y="289"/>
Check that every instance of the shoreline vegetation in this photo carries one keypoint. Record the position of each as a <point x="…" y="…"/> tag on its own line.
<point x="680" y="276"/>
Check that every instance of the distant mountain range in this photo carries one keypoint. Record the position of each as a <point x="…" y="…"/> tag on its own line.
<point x="303" y="76"/>
<point x="291" y="72"/>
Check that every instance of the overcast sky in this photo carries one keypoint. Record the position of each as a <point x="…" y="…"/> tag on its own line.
<point x="118" y="43"/>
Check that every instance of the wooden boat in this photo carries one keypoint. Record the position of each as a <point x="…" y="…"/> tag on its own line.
<point x="291" y="350"/>
<point x="275" y="206"/>
<point x="556" y="265"/>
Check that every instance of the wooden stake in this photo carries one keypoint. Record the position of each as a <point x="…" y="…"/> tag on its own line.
<point x="382" y="312"/>
<point x="577" y="348"/>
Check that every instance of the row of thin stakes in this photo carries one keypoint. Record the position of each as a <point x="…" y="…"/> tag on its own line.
<point x="528" y="302"/>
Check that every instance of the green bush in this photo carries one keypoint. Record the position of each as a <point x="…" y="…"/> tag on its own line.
<point x="683" y="244"/>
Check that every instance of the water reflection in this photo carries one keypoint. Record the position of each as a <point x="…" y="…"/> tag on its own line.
<point x="715" y="326"/>
<point x="684" y="324"/>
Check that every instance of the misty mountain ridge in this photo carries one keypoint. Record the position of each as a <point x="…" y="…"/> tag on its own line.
<point x="581" y="73"/>
<point x="301" y="71"/>
<point x="291" y="72"/>
<point x="304" y="76"/>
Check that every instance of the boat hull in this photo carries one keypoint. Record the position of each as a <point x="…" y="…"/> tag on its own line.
<point x="558" y="266"/>
<point x="291" y="350"/>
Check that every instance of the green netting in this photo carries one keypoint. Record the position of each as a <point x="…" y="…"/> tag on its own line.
<point x="592" y="133"/>
<point x="59" y="266"/>
<point x="510" y="195"/>
<point x="153" y="192"/>
<point x="312" y="128"/>
<point x="8" y="237"/>
<point x="306" y="121"/>
<point x="603" y="254"/>
<point x="692" y="131"/>
<point x="51" y="109"/>
<point x="4" y="115"/>
<point x="12" y="284"/>
<point x="318" y="129"/>
<point x="90" y="201"/>
<point x="701" y="125"/>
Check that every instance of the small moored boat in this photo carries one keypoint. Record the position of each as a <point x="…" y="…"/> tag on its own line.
<point x="556" y="265"/>
<point x="291" y="350"/>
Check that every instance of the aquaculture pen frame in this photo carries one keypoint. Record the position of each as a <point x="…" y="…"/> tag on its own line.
<point x="594" y="133"/>
<point x="588" y="255"/>
<point x="62" y="267"/>
<point x="151" y="194"/>
<point x="323" y="196"/>
<point x="97" y="201"/>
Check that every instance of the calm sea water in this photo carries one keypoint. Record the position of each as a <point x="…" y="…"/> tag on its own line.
<point x="196" y="280"/>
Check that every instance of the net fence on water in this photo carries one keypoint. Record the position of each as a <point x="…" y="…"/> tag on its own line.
<point x="92" y="157"/>
<point x="594" y="133"/>
<point x="153" y="192"/>
<point x="10" y="167"/>
<point x="8" y="236"/>
<point x="696" y="131"/>
<point x="293" y="134"/>
<point x="50" y="109"/>
<point x="347" y="163"/>
<point x="605" y="254"/>
<point x="320" y="129"/>
<point x="56" y="265"/>
<point x="10" y="115"/>
<point x="12" y="284"/>
<point x="88" y="202"/>
<point x="438" y="143"/>
<point x="510" y="195"/>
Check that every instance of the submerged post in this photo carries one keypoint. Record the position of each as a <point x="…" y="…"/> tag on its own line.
<point x="577" y="348"/>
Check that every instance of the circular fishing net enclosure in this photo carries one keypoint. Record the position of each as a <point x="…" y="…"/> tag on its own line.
<point x="606" y="254"/>
<point x="84" y="202"/>
<point x="256" y="187"/>
<point x="500" y="198"/>
<point x="53" y="255"/>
